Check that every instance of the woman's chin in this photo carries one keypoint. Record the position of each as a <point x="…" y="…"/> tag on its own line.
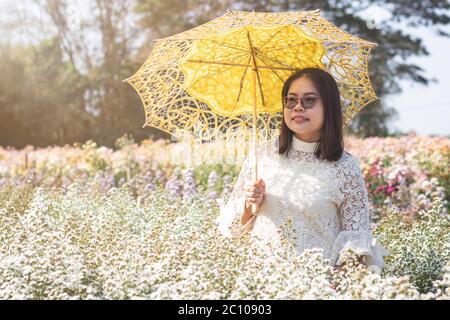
<point x="300" y="127"/>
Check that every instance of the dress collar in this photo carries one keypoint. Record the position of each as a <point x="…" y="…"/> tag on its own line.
<point x="301" y="145"/>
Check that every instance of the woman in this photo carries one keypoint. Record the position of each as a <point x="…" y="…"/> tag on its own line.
<point x="308" y="182"/>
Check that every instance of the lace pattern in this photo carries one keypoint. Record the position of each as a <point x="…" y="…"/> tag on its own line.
<point x="325" y="202"/>
<point x="229" y="220"/>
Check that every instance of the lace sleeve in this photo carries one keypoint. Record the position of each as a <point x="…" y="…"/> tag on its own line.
<point x="355" y="219"/>
<point x="229" y="219"/>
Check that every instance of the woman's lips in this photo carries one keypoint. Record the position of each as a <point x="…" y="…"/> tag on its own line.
<point x="299" y="119"/>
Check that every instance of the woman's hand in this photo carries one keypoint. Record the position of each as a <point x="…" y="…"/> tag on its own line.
<point x="255" y="193"/>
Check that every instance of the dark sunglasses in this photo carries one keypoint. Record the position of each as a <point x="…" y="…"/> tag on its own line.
<point x="307" y="102"/>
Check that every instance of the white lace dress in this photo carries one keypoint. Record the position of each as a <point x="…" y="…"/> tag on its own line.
<point x="325" y="203"/>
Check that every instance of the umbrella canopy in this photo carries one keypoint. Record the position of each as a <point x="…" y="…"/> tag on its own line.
<point x="218" y="69"/>
<point x="225" y="76"/>
<point x="213" y="79"/>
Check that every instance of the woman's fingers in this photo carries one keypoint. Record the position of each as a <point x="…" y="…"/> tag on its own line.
<point x="253" y="195"/>
<point x="255" y="192"/>
<point x="255" y="189"/>
<point x="262" y="185"/>
<point x="254" y="200"/>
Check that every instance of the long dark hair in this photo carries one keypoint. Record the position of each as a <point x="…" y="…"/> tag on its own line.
<point x="331" y="143"/>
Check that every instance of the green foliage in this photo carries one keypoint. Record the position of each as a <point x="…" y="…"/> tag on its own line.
<point x="88" y="244"/>
<point x="202" y="173"/>
<point x="419" y="249"/>
<point x="68" y="87"/>
<point x="124" y="141"/>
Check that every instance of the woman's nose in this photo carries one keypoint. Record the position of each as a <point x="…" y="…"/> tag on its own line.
<point x="299" y="106"/>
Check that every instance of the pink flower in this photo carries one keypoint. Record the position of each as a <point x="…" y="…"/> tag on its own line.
<point x="380" y="188"/>
<point x="390" y="189"/>
<point x="374" y="171"/>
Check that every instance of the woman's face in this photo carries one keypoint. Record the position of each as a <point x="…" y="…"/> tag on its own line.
<point x="305" y="123"/>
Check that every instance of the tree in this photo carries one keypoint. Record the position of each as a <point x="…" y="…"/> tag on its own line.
<point x="37" y="106"/>
<point x="389" y="62"/>
<point x="101" y="46"/>
<point x="62" y="80"/>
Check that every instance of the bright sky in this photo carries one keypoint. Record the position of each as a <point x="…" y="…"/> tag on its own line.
<point x="425" y="110"/>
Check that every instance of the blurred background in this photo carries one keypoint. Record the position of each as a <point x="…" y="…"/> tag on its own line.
<point x="62" y="63"/>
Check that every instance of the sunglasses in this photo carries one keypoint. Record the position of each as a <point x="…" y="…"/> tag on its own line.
<point x="307" y="102"/>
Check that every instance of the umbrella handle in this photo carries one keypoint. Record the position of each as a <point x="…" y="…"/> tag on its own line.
<point x="255" y="208"/>
<point x="255" y="131"/>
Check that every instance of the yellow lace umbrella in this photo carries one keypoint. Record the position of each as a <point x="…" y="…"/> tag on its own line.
<point x="224" y="77"/>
